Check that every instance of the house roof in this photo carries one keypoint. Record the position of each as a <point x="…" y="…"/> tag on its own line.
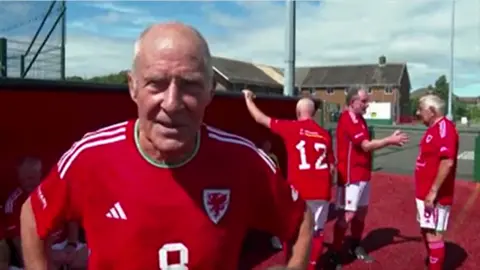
<point x="236" y="71"/>
<point x="242" y="72"/>
<point x="350" y="75"/>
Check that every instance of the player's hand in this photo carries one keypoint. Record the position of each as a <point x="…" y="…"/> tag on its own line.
<point x="430" y="200"/>
<point x="398" y="138"/>
<point x="248" y="94"/>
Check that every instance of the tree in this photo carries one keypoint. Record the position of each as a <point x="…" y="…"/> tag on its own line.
<point x="414" y="106"/>
<point x="441" y="88"/>
<point x="115" y="78"/>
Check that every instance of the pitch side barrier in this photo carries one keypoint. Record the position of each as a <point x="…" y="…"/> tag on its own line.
<point x="43" y="117"/>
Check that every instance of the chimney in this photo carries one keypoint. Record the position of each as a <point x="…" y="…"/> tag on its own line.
<point x="382" y="61"/>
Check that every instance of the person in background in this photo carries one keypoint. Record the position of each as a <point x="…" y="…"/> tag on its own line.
<point x="65" y="249"/>
<point x="354" y="154"/>
<point x="267" y="148"/>
<point x="435" y="171"/>
<point x="311" y="162"/>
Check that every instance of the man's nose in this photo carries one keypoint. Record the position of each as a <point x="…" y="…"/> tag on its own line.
<point x="172" y="100"/>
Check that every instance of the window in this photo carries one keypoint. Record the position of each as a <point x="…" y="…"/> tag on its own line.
<point x="388" y="90"/>
<point x="346" y="91"/>
<point x="330" y="91"/>
<point x="370" y="90"/>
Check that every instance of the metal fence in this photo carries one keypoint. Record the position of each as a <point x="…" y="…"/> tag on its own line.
<point x="32" y="39"/>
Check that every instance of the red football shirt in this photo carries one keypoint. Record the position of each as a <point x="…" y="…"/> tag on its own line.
<point x="310" y="153"/>
<point x="440" y="141"/>
<point x="13" y="207"/>
<point x="354" y="164"/>
<point x="138" y="214"/>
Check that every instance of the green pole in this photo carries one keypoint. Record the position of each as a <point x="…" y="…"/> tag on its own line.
<point x="476" y="160"/>
<point x="3" y="57"/>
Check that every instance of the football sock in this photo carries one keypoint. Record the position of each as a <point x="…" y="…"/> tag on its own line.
<point x="437" y="255"/>
<point x="317" y="249"/>
<point x="356" y="228"/>
<point x="338" y="236"/>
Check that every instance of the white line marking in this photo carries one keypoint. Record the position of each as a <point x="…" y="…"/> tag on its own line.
<point x="466" y="155"/>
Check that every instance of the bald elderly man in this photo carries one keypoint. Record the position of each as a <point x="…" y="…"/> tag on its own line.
<point x="165" y="191"/>
<point x="311" y="161"/>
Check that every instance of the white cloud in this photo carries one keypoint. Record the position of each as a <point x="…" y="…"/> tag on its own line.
<point x="330" y="33"/>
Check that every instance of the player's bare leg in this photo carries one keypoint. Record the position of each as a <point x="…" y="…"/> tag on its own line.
<point x="435" y="248"/>
<point x="357" y="225"/>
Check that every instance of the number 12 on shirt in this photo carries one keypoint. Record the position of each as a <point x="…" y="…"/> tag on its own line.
<point x="320" y="149"/>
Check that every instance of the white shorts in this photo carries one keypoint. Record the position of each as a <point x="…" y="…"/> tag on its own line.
<point x="62" y="245"/>
<point x="352" y="196"/>
<point x="319" y="209"/>
<point x="436" y="220"/>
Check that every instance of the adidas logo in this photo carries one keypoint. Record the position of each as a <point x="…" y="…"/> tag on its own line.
<point x="116" y="212"/>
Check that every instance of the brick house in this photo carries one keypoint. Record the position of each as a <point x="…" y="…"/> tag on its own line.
<point x="387" y="82"/>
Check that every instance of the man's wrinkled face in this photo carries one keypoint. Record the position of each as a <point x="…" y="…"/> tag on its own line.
<point x="171" y="90"/>
<point x="425" y="114"/>
<point x="30" y="175"/>
<point x="360" y="102"/>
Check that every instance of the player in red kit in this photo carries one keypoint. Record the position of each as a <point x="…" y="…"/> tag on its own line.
<point x="64" y="249"/>
<point x="165" y="191"/>
<point x="436" y="166"/>
<point x="354" y="154"/>
<point x="310" y="161"/>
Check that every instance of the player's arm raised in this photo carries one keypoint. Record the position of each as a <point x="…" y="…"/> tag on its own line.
<point x="278" y="209"/>
<point x="49" y="206"/>
<point x="256" y="113"/>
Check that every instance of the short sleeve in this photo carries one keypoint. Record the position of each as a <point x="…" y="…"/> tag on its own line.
<point x="356" y="131"/>
<point x="54" y="201"/>
<point x="277" y="207"/>
<point x="278" y="126"/>
<point x="447" y="141"/>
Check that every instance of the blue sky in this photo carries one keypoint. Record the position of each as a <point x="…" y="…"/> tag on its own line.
<point x="331" y="32"/>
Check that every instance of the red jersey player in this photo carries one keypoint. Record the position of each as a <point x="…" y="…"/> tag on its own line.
<point x="310" y="160"/>
<point x="354" y="154"/>
<point x="436" y="166"/>
<point x="63" y="251"/>
<point x="164" y="191"/>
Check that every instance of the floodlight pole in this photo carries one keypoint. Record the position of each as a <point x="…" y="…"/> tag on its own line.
<point x="452" y="63"/>
<point x="289" y="73"/>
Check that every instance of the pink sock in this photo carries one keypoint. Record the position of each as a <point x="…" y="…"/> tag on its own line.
<point x="437" y="255"/>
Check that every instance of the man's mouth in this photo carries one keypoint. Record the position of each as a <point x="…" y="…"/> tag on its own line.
<point x="168" y="124"/>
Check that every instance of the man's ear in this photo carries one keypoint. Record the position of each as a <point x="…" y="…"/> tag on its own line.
<point x="132" y="86"/>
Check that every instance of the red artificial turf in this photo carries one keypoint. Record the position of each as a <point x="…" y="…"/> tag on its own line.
<point x="392" y="233"/>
